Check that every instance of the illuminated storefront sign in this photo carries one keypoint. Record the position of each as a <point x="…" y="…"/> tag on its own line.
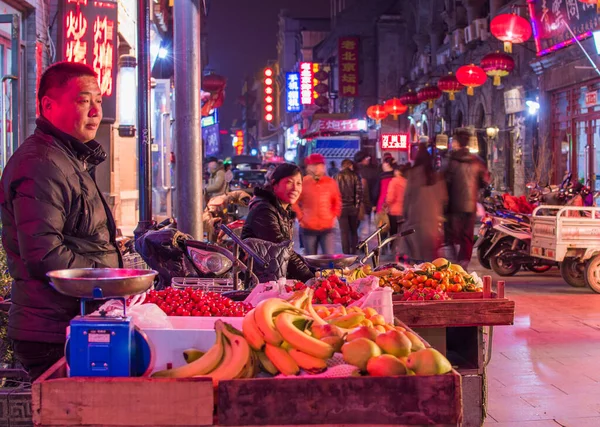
<point x="210" y="119"/>
<point x="89" y="35"/>
<point x="292" y="94"/>
<point x="548" y="20"/>
<point x="348" y="59"/>
<point x="306" y="83"/>
<point x="394" y="141"/>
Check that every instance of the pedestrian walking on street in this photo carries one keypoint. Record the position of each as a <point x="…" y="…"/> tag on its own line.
<point x="424" y="202"/>
<point x="54" y="217"/>
<point x="465" y="175"/>
<point x="318" y="207"/>
<point x="381" y="207"/>
<point x="271" y="217"/>
<point x="333" y="169"/>
<point x="217" y="185"/>
<point x="350" y="185"/>
<point x="395" y="199"/>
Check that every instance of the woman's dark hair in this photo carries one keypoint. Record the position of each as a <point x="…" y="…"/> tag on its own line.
<point x="390" y="161"/>
<point x="58" y="75"/>
<point x="423" y="158"/>
<point x="284" y="170"/>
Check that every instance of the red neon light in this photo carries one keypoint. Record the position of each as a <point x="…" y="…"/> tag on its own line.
<point x="394" y="141"/>
<point x="268" y="72"/>
<point x="103" y="53"/>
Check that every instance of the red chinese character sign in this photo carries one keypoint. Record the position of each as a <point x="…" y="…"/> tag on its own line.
<point x="348" y="60"/>
<point x="394" y="141"/>
<point x="89" y="35"/>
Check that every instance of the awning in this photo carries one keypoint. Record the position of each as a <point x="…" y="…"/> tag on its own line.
<point x="336" y="153"/>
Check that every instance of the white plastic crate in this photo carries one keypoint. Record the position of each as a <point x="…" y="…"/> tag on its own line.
<point x="381" y="300"/>
<point x="207" y="285"/>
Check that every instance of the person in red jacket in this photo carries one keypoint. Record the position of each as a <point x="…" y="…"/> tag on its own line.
<point x="318" y="207"/>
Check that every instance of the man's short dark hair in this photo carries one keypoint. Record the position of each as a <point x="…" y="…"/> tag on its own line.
<point x="347" y="163"/>
<point x="212" y="159"/>
<point x="462" y="136"/>
<point x="58" y="75"/>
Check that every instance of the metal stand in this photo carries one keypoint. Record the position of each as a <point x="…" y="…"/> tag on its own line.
<point x="376" y="252"/>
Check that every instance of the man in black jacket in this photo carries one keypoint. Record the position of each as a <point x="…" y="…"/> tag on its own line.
<point x="351" y="190"/>
<point x="465" y="175"/>
<point x="53" y="214"/>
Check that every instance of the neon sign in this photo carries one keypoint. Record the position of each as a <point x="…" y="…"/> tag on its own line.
<point x="306" y="83"/>
<point x="292" y="94"/>
<point x="394" y="141"/>
<point x="89" y="36"/>
<point x="550" y="19"/>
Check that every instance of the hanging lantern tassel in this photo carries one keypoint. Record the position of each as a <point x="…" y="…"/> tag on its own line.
<point x="430" y="104"/>
<point x="497" y="80"/>
<point x="470" y="91"/>
<point x="508" y="47"/>
<point x="451" y="96"/>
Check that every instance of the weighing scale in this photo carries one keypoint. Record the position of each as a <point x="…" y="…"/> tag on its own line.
<point x="98" y="345"/>
<point x="331" y="262"/>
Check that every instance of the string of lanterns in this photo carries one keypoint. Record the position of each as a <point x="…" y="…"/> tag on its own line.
<point x="509" y="28"/>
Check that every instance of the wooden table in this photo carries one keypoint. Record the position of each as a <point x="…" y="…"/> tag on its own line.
<point x="461" y="329"/>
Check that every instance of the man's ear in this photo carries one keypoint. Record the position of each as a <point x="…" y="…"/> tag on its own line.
<point x="47" y="103"/>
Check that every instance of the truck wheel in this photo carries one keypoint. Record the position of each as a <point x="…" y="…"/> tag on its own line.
<point x="592" y="273"/>
<point x="500" y="267"/>
<point x="542" y="268"/>
<point x="572" y="272"/>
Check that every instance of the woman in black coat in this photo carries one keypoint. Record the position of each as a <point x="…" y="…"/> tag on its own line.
<point x="271" y="217"/>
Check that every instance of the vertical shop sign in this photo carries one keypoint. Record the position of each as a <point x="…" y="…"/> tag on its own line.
<point x="348" y="60"/>
<point x="89" y="36"/>
<point x="306" y="83"/>
<point x="292" y="86"/>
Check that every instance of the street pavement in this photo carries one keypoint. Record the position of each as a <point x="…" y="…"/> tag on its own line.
<point x="544" y="368"/>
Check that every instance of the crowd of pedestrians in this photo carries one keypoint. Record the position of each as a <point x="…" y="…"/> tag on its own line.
<point x="439" y="203"/>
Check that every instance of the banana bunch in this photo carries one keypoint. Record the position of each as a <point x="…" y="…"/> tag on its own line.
<point x="280" y="332"/>
<point x="359" y="273"/>
<point x="351" y="317"/>
<point x="229" y="358"/>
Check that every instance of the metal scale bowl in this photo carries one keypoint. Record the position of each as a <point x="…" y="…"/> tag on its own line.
<point x="331" y="262"/>
<point x="99" y="345"/>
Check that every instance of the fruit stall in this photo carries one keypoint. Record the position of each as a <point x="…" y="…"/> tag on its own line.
<point x="294" y="360"/>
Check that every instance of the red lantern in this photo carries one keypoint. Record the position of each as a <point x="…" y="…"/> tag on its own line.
<point x="450" y="85"/>
<point x="410" y="99"/>
<point x="394" y="107"/>
<point x="497" y="65"/>
<point x="377" y="112"/>
<point x="429" y="94"/>
<point x="510" y="28"/>
<point x="321" y="88"/>
<point x="471" y="76"/>
<point x="321" y="75"/>
<point x="213" y="83"/>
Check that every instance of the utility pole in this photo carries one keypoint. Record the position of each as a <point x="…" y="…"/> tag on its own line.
<point x="188" y="134"/>
<point x="144" y="137"/>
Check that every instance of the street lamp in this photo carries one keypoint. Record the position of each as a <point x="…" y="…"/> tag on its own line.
<point x="127" y="83"/>
<point x="492" y="132"/>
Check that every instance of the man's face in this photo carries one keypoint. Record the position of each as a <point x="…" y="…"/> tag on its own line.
<point x="75" y="109"/>
<point x="212" y="167"/>
<point x="366" y="161"/>
<point x="317" y="170"/>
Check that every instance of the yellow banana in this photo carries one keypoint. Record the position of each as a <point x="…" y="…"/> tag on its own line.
<point x="204" y="365"/>
<point x="251" y="332"/>
<point x="237" y="355"/>
<point x="311" y="310"/>
<point x="310" y="364"/>
<point x="291" y="327"/>
<point x="192" y="354"/>
<point x="263" y="316"/>
<point x="298" y="298"/>
<point x="351" y="320"/>
<point x="282" y="360"/>
<point x="266" y="363"/>
<point x="252" y="367"/>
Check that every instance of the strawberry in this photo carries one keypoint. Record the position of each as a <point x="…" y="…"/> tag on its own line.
<point x="333" y="294"/>
<point x="338" y="301"/>
<point x="321" y="294"/>
<point x="299" y="286"/>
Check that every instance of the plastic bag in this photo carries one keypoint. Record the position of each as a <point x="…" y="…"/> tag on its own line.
<point x="149" y="316"/>
<point x="268" y="290"/>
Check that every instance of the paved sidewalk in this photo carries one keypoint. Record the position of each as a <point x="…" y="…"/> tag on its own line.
<point x="544" y="369"/>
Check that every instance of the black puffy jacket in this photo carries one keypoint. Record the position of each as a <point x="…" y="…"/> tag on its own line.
<point x="268" y="220"/>
<point x="465" y="175"/>
<point x="351" y="190"/>
<point x="53" y="217"/>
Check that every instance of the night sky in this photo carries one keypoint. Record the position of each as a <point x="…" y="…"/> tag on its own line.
<point x="242" y="37"/>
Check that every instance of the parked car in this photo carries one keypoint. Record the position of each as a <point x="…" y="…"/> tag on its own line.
<point x="247" y="179"/>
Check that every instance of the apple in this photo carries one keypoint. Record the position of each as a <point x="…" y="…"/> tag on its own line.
<point x="395" y="343"/>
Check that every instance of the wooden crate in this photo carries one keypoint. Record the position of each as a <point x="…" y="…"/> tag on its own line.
<point x="465" y="312"/>
<point x="405" y="400"/>
<point x="61" y="401"/>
